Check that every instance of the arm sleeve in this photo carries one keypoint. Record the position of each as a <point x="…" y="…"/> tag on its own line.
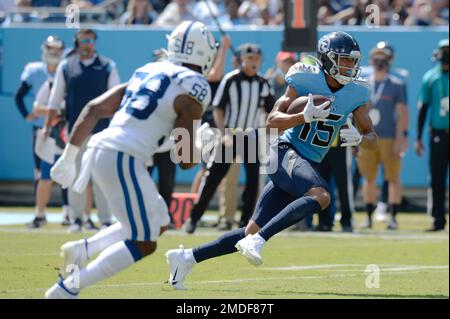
<point x="423" y="104"/>
<point x="423" y="110"/>
<point x="222" y="97"/>
<point x="20" y="96"/>
<point x="114" y="78"/>
<point x="58" y="89"/>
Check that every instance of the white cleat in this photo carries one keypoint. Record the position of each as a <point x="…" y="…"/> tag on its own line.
<point x="250" y="247"/>
<point x="74" y="254"/>
<point x="381" y="211"/>
<point x="179" y="268"/>
<point x="58" y="291"/>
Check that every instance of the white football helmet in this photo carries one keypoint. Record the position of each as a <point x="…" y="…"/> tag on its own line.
<point x="192" y="42"/>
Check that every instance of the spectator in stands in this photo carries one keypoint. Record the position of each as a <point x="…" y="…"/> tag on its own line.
<point x="86" y="4"/>
<point x="139" y="12"/>
<point x="41" y="3"/>
<point x="159" y="5"/>
<point x="234" y="17"/>
<point x="81" y="77"/>
<point x="398" y="12"/>
<point x="5" y="7"/>
<point x="328" y="8"/>
<point x="424" y="13"/>
<point x="203" y="10"/>
<point x="177" y="12"/>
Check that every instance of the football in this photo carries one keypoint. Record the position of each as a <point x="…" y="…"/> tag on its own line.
<point x="299" y="103"/>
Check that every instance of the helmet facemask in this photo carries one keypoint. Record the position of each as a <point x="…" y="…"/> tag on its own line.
<point x="343" y="74"/>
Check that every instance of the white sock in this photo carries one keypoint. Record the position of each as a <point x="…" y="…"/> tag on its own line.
<point x="40" y="213"/>
<point x="111" y="261"/>
<point x="189" y="256"/>
<point x="105" y="238"/>
<point x="258" y="237"/>
<point x="66" y="210"/>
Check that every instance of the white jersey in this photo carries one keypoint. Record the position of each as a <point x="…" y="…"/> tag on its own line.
<point x="146" y="116"/>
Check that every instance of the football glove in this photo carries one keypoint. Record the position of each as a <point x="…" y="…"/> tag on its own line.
<point x="64" y="170"/>
<point x="312" y="112"/>
<point x="350" y="136"/>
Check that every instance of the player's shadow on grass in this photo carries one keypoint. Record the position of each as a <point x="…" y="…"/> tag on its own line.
<point x="357" y="295"/>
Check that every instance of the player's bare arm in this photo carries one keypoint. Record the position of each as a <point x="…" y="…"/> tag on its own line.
<point x="188" y="111"/>
<point x="278" y="118"/>
<point x="99" y="108"/>
<point x="364" y="123"/>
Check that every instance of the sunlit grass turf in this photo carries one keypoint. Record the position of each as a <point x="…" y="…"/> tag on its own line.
<point x="413" y="265"/>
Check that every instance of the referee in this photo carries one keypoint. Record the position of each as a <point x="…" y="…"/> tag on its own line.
<point x="241" y="97"/>
<point x="434" y="99"/>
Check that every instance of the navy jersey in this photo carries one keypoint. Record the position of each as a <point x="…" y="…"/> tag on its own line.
<point x="313" y="140"/>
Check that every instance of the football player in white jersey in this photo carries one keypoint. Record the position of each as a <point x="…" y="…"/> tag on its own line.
<point x="159" y="97"/>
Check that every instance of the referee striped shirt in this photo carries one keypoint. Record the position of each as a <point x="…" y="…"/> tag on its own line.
<point x="243" y="98"/>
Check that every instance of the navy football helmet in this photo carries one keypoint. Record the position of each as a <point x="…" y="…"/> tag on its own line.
<point x="332" y="49"/>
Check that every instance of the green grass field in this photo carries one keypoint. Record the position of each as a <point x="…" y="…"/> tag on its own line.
<point x="296" y="265"/>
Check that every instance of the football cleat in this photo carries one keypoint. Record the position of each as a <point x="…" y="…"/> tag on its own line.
<point x="392" y="225"/>
<point x="37" y="222"/>
<point x="90" y="225"/>
<point x="380" y="212"/>
<point x="74" y="253"/>
<point x="179" y="268"/>
<point x="76" y="227"/>
<point x="190" y="226"/>
<point x="250" y="247"/>
<point x="59" y="291"/>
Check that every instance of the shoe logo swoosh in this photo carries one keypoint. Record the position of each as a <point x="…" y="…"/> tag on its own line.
<point x="174" y="282"/>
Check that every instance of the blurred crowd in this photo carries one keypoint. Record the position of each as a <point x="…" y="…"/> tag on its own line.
<point x="229" y="12"/>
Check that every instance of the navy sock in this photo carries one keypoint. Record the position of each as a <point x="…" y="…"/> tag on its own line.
<point x="65" y="199"/>
<point x="393" y="209"/>
<point x="369" y="209"/>
<point x="222" y="246"/>
<point x="290" y="215"/>
<point x="385" y="192"/>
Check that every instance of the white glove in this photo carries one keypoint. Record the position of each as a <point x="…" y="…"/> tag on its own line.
<point x="312" y="112"/>
<point x="64" y="170"/>
<point x="350" y="136"/>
